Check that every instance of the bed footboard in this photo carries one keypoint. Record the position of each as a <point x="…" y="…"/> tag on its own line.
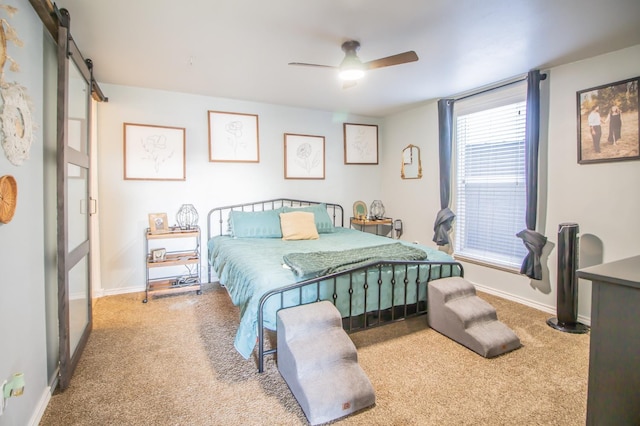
<point x="372" y="295"/>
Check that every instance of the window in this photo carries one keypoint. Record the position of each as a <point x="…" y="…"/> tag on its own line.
<point x="490" y="177"/>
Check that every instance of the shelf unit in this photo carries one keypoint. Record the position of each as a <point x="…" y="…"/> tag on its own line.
<point x="190" y="258"/>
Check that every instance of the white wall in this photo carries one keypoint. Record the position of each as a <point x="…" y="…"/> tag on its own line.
<point x="125" y="204"/>
<point x="415" y="201"/>
<point x="22" y="308"/>
<point x="601" y="198"/>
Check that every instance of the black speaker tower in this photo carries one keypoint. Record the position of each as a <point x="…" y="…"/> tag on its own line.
<point x="567" y="303"/>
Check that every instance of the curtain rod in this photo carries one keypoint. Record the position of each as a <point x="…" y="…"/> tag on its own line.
<point x="491" y="89"/>
<point x="543" y="76"/>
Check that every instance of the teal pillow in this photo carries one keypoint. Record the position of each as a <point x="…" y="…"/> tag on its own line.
<point x="262" y="224"/>
<point x="324" y="224"/>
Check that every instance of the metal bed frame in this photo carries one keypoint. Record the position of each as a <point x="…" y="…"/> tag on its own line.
<point x="399" y="280"/>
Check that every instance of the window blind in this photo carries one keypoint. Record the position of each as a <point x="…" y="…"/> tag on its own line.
<point x="490" y="179"/>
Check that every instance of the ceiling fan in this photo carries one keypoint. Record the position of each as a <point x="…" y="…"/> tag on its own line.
<point x="352" y="68"/>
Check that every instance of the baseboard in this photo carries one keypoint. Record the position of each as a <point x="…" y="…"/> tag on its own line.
<point x="121" y="290"/>
<point x="526" y="302"/>
<point x="41" y="407"/>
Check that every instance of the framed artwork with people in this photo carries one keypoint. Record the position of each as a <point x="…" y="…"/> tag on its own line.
<point x="608" y="124"/>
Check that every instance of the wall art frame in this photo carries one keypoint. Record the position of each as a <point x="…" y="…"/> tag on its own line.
<point x="304" y="156"/>
<point x="233" y="137"/>
<point x="153" y="152"/>
<point x="158" y="223"/>
<point x="360" y="143"/>
<point x="617" y="136"/>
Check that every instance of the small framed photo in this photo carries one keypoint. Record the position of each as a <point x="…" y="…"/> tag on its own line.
<point x="303" y="156"/>
<point x="158" y="223"/>
<point x="233" y="137"/>
<point x="360" y="143"/>
<point x="158" y="255"/>
<point x="154" y="152"/>
<point x="608" y="125"/>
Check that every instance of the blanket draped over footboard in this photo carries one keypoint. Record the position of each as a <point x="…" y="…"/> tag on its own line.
<point x="315" y="264"/>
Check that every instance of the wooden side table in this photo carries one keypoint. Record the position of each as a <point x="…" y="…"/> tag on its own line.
<point x="190" y="257"/>
<point x="382" y="226"/>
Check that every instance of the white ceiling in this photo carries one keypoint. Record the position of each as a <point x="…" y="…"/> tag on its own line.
<point x="240" y="48"/>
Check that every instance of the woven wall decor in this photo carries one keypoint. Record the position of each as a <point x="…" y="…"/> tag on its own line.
<point x="15" y="111"/>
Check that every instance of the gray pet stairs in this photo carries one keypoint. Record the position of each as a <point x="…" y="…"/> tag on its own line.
<point x="319" y="362"/>
<point x="456" y="311"/>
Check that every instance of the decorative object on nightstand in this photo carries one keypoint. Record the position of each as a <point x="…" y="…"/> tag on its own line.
<point x="187" y="216"/>
<point x="158" y="223"/>
<point x="157" y="255"/>
<point x="376" y="210"/>
<point x="359" y="210"/>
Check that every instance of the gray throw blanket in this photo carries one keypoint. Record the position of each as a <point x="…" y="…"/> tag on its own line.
<point x="315" y="264"/>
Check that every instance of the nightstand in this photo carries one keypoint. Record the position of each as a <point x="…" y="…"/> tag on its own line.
<point x="382" y="226"/>
<point x="177" y="280"/>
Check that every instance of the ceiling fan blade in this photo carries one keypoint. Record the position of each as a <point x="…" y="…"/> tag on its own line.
<point x="400" y="58"/>
<point x="311" y="65"/>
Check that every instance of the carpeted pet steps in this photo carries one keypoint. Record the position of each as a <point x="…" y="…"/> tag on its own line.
<point x="319" y="362"/>
<point x="456" y="311"/>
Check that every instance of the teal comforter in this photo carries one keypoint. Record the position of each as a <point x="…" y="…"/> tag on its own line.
<point x="250" y="267"/>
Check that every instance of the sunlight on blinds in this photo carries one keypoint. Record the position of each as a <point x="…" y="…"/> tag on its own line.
<point x="490" y="185"/>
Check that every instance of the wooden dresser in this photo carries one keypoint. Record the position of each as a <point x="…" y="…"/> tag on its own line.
<point x="614" y="355"/>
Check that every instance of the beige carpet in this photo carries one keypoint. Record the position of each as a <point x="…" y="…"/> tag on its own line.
<point x="172" y="362"/>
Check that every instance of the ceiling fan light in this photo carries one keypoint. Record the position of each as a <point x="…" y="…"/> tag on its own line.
<point x="351" y="68"/>
<point x="351" y="74"/>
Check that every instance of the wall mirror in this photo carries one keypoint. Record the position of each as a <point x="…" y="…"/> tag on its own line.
<point x="411" y="163"/>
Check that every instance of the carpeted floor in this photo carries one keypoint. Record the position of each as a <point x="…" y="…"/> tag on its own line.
<point x="172" y="362"/>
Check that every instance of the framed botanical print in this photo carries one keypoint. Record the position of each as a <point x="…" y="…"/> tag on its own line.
<point x="154" y="152"/>
<point x="360" y="143"/>
<point x="303" y="156"/>
<point x="233" y="137"/>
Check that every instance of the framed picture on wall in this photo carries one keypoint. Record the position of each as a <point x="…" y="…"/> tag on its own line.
<point x="303" y="156"/>
<point x="608" y="124"/>
<point x="154" y="152"/>
<point x="233" y="137"/>
<point x="360" y="143"/>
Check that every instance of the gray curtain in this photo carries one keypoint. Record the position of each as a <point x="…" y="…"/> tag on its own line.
<point x="533" y="241"/>
<point x="444" y="218"/>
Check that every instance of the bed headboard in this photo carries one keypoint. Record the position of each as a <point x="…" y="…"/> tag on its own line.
<point x="218" y="216"/>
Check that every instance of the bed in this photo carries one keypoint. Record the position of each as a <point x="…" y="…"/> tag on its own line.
<point x="268" y="257"/>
